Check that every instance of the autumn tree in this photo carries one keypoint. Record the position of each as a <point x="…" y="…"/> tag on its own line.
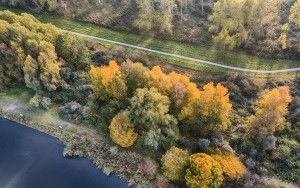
<point x="204" y="172"/>
<point x="210" y="112"/>
<point x="180" y="90"/>
<point x="246" y="23"/>
<point x="290" y="35"/>
<point x="108" y="82"/>
<point x="174" y="163"/>
<point x="121" y="130"/>
<point x="271" y="109"/>
<point x="232" y="167"/>
<point x="149" y="113"/>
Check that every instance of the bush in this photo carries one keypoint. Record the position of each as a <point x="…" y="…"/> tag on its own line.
<point x="148" y="168"/>
<point x="121" y="131"/>
<point x="74" y="112"/>
<point x="269" y="142"/>
<point x="204" y="172"/>
<point x="174" y="163"/>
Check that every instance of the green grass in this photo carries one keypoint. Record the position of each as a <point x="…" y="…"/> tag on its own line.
<point x="18" y="92"/>
<point x="204" y="52"/>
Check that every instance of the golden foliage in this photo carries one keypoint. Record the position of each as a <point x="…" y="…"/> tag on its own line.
<point x="294" y="13"/>
<point x="174" y="162"/>
<point x="271" y="109"/>
<point x="121" y="131"/>
<point x="231" y="165"/>
<point x="203" y="172"/>
<point x="215" y="105"/>
<point x="211" y="106"/>
<point x="107" y="82"/>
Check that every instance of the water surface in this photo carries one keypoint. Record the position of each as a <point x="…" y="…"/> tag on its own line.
<point x="31" y="159"/>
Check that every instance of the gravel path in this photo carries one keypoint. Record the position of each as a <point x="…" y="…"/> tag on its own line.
<point x="185" y="57"/>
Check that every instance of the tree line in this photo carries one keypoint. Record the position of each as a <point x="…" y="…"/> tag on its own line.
<point x="264" y="27"/>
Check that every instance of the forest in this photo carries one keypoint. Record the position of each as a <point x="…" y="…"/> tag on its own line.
<point x="231" y="131"/>
<point x="261" y="27"/>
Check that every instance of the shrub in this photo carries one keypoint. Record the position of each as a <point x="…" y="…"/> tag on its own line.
<point x="174" y="163"/>
<point x="269" y="142"/>
<point x="148" y="167"/>
<point x="74" y="112"/>
<point x="121" y="131"/>
<point x="231" y="165"/>
<point x="41" y="102"/>
<point x="204" y="172"/>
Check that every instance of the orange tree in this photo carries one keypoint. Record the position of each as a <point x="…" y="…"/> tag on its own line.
<point x="108" y="82"/>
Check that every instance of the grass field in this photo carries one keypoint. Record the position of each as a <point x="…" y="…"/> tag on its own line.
<point x="207" y="52"/>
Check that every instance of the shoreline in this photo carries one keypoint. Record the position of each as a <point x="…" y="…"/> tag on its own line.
<point x="79" y="142"/>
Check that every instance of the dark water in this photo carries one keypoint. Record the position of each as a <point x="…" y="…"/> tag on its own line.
<point x="31" y="159"/>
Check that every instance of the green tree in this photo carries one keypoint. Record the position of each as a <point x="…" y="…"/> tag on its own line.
<point x="149" y="113"/>
<point x="73" y="50"/>
<point x="174" y="163"/>
<point x="133" y="74"/>
<point x="155" y="16"/>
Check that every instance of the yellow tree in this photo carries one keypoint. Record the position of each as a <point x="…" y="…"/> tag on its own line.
<point x="204" y="172"/>
<point x="231" y="165"/>
<point x="271" y="109"/>
<point x="107" y="82"/>
<point x="210" y="111"/>
<point x="121" y="130"/>
<point x="294" y="19"/>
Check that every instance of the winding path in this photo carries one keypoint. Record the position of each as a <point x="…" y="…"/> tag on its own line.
<point x="185" y="57"/>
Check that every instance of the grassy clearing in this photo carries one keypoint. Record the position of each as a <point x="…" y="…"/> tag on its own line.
<point x="204" y="52"/>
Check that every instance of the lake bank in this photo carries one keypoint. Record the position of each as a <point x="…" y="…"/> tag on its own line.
<point x="80" y="141"/>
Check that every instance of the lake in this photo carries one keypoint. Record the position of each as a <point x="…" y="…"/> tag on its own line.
<point x="31" y="159"/>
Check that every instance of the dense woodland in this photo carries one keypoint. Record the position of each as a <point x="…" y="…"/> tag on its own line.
<point x="232" y="133"/>
<point x="261" y="27"/>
